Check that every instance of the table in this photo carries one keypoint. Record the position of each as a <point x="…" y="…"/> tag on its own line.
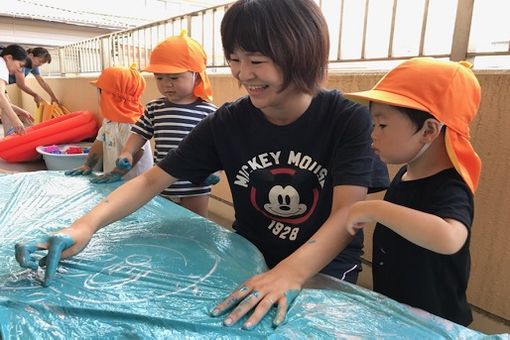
<point x="158" y="272"/>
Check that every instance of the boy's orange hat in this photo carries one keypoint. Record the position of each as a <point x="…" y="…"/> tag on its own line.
<point x="180" y="54"/>
<point x="121" y="89"/>
<point x="447" y="90"/>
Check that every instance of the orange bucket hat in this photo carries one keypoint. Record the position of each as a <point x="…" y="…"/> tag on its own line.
<point x="180" y="54"/>
<point x="121" y="89"/>
<point x="447" y="90"/>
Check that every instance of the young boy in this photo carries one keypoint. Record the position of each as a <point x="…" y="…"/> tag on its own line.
<point x="178" y="64"/>
<point x="421" y="112"/>
<point x="120" y="89"/>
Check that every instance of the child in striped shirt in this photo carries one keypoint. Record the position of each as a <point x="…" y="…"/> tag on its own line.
<point x="178" y="64"/>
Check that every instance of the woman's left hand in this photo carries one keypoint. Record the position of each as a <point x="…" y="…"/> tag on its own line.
<point x="278" y="286"/>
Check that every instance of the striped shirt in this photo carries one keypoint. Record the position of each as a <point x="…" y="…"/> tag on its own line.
<point x="169" y="123"/>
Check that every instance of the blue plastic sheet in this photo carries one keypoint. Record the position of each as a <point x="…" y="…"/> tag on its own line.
<point x="158" y="273"/>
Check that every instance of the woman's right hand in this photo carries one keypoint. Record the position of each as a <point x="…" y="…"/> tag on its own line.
<point x="37" y="99"/>
<point x="18" y="127"/>
<point x="64" y="243"/>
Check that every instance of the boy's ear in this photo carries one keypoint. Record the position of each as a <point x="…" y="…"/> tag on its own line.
<point x="431" y="129"/>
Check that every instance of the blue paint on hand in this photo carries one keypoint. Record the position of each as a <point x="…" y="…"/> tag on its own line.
<point x="110" y="177"/>
<point x="78" y="172"/>
<point x="282" y="310"/>
<point x="55" y="244"/>
<point x="212" y="180"/>
<point x="123" y="163"/>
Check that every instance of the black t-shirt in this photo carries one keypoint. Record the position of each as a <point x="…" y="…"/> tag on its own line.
<point x="414" y="275"/>
<point x="282" y="177"/>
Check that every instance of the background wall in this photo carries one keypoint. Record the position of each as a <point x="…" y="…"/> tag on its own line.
<point x="489" y="287"/>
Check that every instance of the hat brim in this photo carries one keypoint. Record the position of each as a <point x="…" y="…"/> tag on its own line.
<point x="385" y="97"/>
<point x="164" y="69"/>
<point x="460" y="151"/>
<point x="93" y="82"/>
<point x="464" y="158"/>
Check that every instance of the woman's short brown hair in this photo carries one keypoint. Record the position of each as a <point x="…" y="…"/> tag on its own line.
<point x="293" y="33"/>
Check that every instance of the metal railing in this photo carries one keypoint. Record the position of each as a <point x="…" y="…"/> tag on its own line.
<point x="360" y="31"/>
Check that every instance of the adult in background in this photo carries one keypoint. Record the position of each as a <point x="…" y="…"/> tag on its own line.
<point x="36" y="58"/>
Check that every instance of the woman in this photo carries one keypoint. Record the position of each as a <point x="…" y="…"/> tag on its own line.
<point x="12" y="59"/>
<point x="36" y="57"/>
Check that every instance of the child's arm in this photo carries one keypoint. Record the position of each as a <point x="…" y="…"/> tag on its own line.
<point x="7" y="110"/>
<point x="129" y="156"/>
<point x="132" y="150"/>
<point x="94" y="156"/>
<point x="118" y="204"/>
<point x="443" y="236"/>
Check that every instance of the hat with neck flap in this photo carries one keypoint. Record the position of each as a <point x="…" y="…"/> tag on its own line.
<point x="447" y="90"/>
<point x="121" y="90"/>
<point x="179" y="54"/>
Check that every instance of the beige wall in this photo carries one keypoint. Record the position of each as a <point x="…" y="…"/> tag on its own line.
<point x="489" y="287"/>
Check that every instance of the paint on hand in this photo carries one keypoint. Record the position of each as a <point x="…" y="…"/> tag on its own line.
<point x="282" y="309"/>
<point x="123" y="164"/>
<point x="110" y="177"/>
<point x="228" y="304"/>
<point x="56" y="244"/>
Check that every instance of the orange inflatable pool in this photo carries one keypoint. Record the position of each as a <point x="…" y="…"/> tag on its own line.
<point x="70" y="128"/>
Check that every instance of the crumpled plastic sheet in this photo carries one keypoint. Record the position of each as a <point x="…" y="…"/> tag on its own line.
<point x="158" y="272"/>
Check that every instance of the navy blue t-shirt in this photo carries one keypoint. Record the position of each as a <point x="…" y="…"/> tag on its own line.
<point x="282" y="177"/>
<point x="417" y="276"/>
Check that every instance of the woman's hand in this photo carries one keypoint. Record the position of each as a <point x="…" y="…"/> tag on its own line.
<point x="278" y="286"/>
<point x="24" y="115"/>
<point x="64" y="243"/>
<point x="37" y="99"/>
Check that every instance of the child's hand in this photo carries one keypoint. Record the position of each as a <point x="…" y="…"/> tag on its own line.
<point x="359" y="217"/>
<point x="212" y="179"/>
<point x="109" y="177"/>
<point x="259" y="294"/>
<point x="124" y="164"/>
<point x="122" y="167"/>
<point x="83" y="170"/>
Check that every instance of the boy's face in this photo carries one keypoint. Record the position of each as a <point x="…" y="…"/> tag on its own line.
<point x="262" y="79"/>
<point x="394" y="135"/>
<point x="177" y="88"/>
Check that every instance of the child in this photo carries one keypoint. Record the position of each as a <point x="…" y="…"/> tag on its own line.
<point x="12" y="59"/>
<point x="36" y="58"/>
<point x="421" y="112"/>
<point x="120" y="89"/>
<point x="178" y="64"/>
<point x="296" y="157"/>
